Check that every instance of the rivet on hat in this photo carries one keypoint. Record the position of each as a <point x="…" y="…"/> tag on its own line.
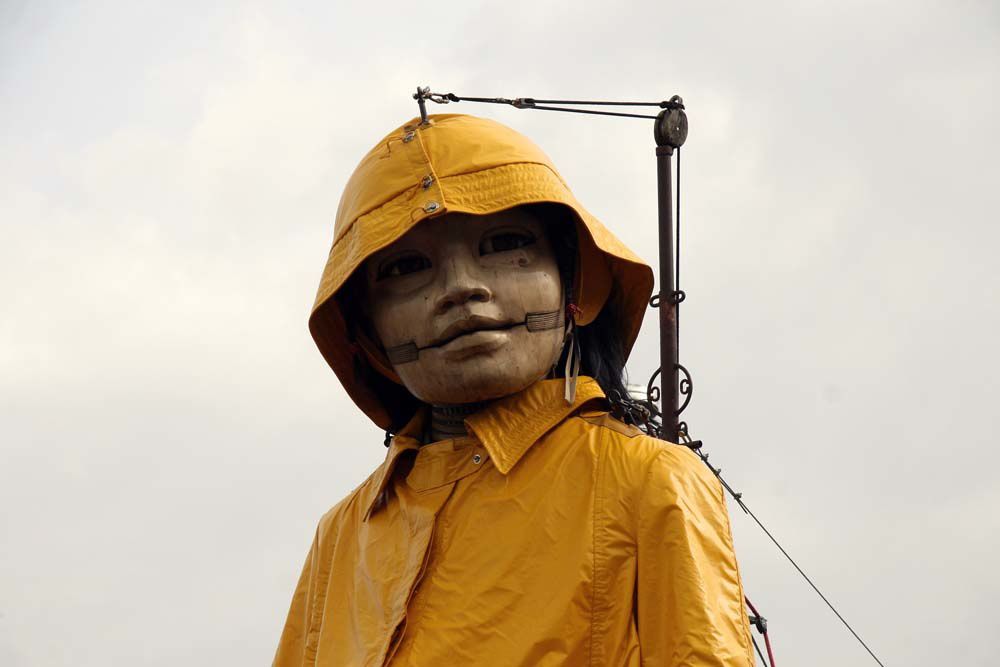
<point x="408" y="137"/>
<point x="427" y="181"/>
<point x="431" y="206"/>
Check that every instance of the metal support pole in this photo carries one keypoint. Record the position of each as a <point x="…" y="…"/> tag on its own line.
<point x="670" y="131"/>
<point x="668" y="309"/>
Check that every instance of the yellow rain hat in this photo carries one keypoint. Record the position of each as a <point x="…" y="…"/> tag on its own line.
<point x="453" y="163"/>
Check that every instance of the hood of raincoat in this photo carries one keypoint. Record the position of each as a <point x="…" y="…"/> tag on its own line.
<point x="453" y="163"/>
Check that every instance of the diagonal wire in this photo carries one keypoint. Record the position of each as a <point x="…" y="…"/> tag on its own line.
<point x="695" y="446"/>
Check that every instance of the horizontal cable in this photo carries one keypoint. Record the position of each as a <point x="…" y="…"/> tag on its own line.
<point x="542" y="105"/>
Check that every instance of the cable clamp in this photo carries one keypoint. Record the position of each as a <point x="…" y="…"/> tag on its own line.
<point x="759" y="622"/>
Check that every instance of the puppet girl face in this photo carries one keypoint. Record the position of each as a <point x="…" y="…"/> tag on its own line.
<point x="468" y="308"/>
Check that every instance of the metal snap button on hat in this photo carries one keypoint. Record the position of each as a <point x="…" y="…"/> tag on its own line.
<point x="477" y="459"/>
<point x="431" y="206"/>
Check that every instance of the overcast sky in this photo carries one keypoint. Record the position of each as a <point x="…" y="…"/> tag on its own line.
<point x="169" y="435"/>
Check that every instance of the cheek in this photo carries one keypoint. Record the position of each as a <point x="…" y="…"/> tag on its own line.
<point x="397" y="319"/>
<point x="380" y="320"/>
<point x="529" y="276"/>
<point x="538" y="290"/>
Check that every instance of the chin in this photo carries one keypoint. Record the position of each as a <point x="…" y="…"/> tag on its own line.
<point x="483" y="384"/>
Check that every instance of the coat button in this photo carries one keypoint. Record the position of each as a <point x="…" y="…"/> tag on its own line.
<point x="477" y="459"/>
<point x="431" y="206"/>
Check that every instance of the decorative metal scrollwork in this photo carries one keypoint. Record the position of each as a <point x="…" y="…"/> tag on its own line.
<point x="644" y="412"/>
<point x="686" y="387"/>
<point x="652" y="391"/>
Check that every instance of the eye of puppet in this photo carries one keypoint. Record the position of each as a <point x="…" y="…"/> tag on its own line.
<point x="401" y="265"/>
<point x="504" y="240"/>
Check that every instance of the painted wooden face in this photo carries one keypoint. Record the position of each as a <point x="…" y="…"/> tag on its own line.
<point x="468" y="308"/>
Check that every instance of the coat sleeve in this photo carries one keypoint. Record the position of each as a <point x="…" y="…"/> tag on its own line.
<point x="689" y="602"/>
<point x="294" y="646"/>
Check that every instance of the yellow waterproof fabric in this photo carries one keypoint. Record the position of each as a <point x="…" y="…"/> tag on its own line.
<point x="455" y="163"/>
<point x="551" y="535"/>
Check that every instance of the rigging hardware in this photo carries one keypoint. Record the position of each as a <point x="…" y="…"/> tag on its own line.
<point x="670" y="132"/>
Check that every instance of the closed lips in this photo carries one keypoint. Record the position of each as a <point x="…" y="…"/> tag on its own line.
<point x="471" y="325"/>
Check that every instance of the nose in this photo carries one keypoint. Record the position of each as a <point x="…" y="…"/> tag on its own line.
<point x="461" y="282"/>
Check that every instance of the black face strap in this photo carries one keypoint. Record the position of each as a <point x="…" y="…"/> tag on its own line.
<point x="537" y="321"/>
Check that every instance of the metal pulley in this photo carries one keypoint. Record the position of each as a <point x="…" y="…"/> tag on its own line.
<point x="671" y="127"/>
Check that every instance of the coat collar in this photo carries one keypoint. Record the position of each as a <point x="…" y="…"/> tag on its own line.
<point x="507" y="428"/>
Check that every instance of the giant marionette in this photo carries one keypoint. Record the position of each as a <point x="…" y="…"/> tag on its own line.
<point x="476" y="312"/>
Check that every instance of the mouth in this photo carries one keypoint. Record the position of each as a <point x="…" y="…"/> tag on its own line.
<point x="468" y="326"/>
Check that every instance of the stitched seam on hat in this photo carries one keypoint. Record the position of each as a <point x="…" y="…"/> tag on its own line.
<point x="430" y="166"/>
<point x="509" y="164"/>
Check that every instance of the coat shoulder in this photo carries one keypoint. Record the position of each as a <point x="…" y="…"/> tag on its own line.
<point x="645" y="455"/>
<point x="629" y="441"/>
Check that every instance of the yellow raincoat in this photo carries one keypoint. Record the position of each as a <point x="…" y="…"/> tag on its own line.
<point x="552" y="534"/>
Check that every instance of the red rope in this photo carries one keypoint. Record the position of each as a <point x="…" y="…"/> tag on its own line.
<point x="767" y="640"/>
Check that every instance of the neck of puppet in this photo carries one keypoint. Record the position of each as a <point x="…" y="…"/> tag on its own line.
<point x="448" y="421"/>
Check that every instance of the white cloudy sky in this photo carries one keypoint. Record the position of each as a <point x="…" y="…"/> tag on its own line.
<point x="168" y="175"/>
